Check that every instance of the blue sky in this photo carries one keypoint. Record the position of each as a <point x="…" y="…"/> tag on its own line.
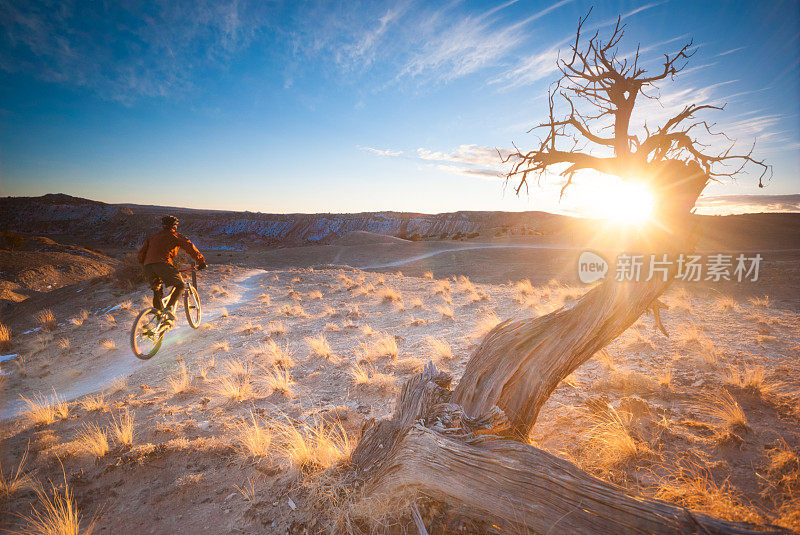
<point x="343" y="106"/>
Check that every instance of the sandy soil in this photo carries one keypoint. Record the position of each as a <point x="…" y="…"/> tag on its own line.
<point x="645" y="414"/>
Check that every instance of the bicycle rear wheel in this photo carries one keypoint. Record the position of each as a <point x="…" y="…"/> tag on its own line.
<point x="191" y="304"/>
<point x="146" y="334"/>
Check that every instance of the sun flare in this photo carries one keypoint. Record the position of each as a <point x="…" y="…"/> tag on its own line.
<point x="615" y="200"/>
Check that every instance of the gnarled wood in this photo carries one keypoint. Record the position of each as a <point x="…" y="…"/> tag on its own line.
<point x="515" y="486"/>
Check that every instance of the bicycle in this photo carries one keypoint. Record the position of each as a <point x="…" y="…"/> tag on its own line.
<point x="148" y="330"/>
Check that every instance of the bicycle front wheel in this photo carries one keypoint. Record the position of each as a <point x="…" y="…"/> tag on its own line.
<point x="191" y="304"/>
<point x="146" y="334"/>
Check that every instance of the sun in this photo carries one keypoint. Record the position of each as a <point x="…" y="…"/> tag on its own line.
<point x="627" y="203"/>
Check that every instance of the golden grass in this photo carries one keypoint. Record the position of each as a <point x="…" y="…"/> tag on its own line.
<point x="441" y="287"/>
<point x="439" y="349"/>
<point x="122" y="428"/>
<point x="94" y="403"/>
<point x="293" y="311"/>
<point x="218" y="291"/>
<point x="248" y="490"/>
<point x="367" y="376"/>
<point x="725" y="302"/>
<point x="428" y="275"/>
<point x="524" y="290"/>
<point x="18" y="479"/>
<point x="390" y="295"/>
<point x="611" y="442"/>
<point x="250" y="328"/>
<point x="182" y="383"/>
<point x="63" y="343"/>
<point x="760" y="302"/>
<point x="279" y="380"/>
<point x="665" y="378"/>
<point x="5" y="337"/>
<point x="126" y="304"/>
<point x="484" y="325"/>
<point x="253" y="437"/>
<point x="746" y="376"/>
<point x="265" y="299"/>
<point x="276" y="328"/>
<point x="274" y="354"/>
<point x="416" y="302"/>
<point x="311" y="446"/>
<point x="118" y="385"/>
<point x="444" y="310"/>
<point x="236" y="385"/>
<point x="108" y="344"/>
<point x="314" y="294"/>
<point x="79" y="319"/>
<point x="382" y="345"/>
<point x="693" y="487"/>
<point x="724" y="407"/>
<point x="93" y="440"/>
<point x="605" y="358"/>
<point x="625" y="381"/>
<point x="46" y="319"/>
<point x="56" y="514"/>
<point x="220" y="346"/>
<point x="109" y="320"/>
<point x="46" y="409"/>
<point x="319" y="346"/>
<point x="408" y="364"/>
<point x="464" y="284"/>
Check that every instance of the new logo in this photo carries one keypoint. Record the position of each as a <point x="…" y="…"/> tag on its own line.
<point x="591" y="267"/>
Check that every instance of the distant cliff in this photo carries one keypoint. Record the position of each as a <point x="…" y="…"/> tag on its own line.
<point x="126" y="225"/>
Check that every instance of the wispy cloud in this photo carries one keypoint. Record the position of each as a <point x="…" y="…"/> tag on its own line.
<point x="731" y="51"/>
<point x="381" y="152"/>
<point x="125" y="51"/>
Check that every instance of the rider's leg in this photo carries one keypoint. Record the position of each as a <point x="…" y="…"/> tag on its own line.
<point x="177" y="293"/>
<point x="158" y="296"/>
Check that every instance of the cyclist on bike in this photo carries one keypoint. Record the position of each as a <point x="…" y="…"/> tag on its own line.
<point x="157" y="255"/>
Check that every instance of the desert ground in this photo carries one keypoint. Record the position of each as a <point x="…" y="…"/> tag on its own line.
<point x="236" y="427"/>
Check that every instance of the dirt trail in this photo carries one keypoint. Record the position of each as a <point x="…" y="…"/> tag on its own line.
<point x="122" y="363"/>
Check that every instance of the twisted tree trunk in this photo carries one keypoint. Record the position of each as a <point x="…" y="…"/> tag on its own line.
<point x="449" y="446"/>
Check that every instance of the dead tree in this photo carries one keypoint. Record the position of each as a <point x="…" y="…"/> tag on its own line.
<point x="468" y="446"/>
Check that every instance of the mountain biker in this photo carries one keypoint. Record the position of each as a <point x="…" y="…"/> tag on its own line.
<point x="157" y="257"/>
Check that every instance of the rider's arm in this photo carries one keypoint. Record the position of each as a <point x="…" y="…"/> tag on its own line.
<point x="143" y="251"/>
<point x="189" y="247"/>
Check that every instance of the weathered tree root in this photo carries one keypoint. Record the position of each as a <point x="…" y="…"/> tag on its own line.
<point x="432" y="447"/>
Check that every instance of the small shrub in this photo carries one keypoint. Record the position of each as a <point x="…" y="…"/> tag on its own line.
<point x="92" y="439"/>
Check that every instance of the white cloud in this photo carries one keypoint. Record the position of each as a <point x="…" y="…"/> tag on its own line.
<point x="381" y="152"/>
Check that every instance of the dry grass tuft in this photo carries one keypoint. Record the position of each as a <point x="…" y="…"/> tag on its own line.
<point x="439" y="349"/>
<point x="218" y="291"/>
<point x="314" y="446"/>
<point x="747" y="377"/>
<point x="94" y="403"/>
<point x="444" y="310"/>
<point x="220" y="346"/>
<point x="441" y="287"/>
<point x="46" y="409"/>
<point x="108" y="344"/>
<point x="276" y="328"/>
<point x="17" y="480"/>
<point x="293" y="311"/>
<point x="253" y="437"/>
<point x="367" y="376"/>
<point x="760" y="302"/>
<point x="46" y="319"/>
<point x="122" y="428"/>
<point x="279" y="380"/>
<point x="249" y="328"/>
<point x="428" y="275"/>
<point x="612" y="442"/>
<point x="319" y="346"/>
<point x="275" y="355"/>
<point x="725" y="302"/>
<point x="693" y="487"/>
<point x="117" y="385"/>
<point x="182" y="383"/>
<point x="57" y="514"/>
<point x="92" y="439"/>
<point x="79" y="319"/>
<point x="524" y="290"/>
<point x="382" y="345"/>
<point x="109" y="320"/>
<point x="314" y="294"/>
<point x="390" y="295"/>
<point x="63" y="343"/>
<point x="236" y="384"/>
<point x="724" y="407"/>
<point x="484" y="325"/>
<point x="5" y="337"/>
<point x="265" y="299"/>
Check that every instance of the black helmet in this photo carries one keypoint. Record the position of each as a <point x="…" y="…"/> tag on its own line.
<point x="169" y="221"/>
